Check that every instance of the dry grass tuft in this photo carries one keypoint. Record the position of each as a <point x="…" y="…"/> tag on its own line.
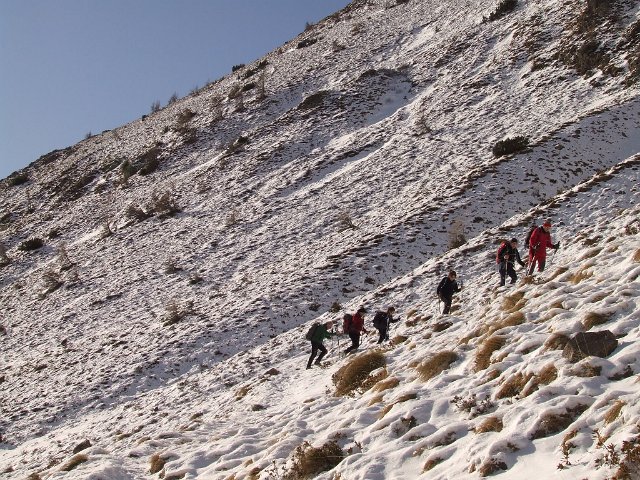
<point x="354" y="376"/>
<point x="553" y="423"/>
<point x="593" y="319"/>
<point x="74" y="462"/>
<point x="489" y="424"/>
<point x="309" y="461"/>
<point x="547" y="375"/>
<point x="399" y="339"/>
<point x="391" y="382"/>
<point x="514" y="302"/>
<point x="584" y="369"/>
<point x="590" y="253"/>
<point x="403" y="398"/>
<point x="614" y="412"/>
<point x="156" y="463"/>
<point x="557" y="272"/>
<point x="513" y="385"/>
<point x="581" y="275"/>
<point x="432" y="463"/>
<point x="441" y="326"/>
<point x="483" y="355"/>
<point x="491" y="466"/>
<point x="556" y="341"/>
<point x="436" y="364"/>
<point x="636" y="256"/>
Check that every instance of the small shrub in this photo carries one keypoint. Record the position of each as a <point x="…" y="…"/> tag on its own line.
<point x="172" y="99"/>
<point x="155" y="107"/>
<point x="74" y="462"/>
<point x="510" y="146"/>
<point x="307" y="42"/>
<point x="355" y="375"/>
<point x="17" y="179"/>
<point x="185" y="116"/>
<point x="235" y="68"/>
<point x="472" y="406"/>
<point x="164" y="203"/>
<point x="31" y="244"/>
<point x="345" y="222"/>
<point x="174" y="312"/>
<point x="51" y="281"/>
<point x="136" y="213"/>
<point x="436" y="365"/>
<point x="314" y="100"/>
<point x="156" y="463"/>
<point x="309" y="461"/>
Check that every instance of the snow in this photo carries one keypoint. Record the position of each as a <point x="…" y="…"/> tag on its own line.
<point x="400" y="145"/>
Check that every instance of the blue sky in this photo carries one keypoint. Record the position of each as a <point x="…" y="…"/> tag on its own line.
<point x="69" y="67"/>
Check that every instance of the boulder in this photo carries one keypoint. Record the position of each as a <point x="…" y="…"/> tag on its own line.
<point x="585" y="344"/>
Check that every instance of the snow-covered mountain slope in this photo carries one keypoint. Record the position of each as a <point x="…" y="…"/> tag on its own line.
<point x="339" y="170"/>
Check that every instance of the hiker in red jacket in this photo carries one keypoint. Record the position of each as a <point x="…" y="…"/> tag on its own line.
<point x="538" y="243"/>
<point x="356" y="327"/>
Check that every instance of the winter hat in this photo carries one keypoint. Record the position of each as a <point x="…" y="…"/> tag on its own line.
<point x="362" y="310"/>
<point x="547" y="224"/>
<point x="514" y="240"/>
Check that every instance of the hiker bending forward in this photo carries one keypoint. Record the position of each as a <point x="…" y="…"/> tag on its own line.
<point x="381" y="321"/>
<point x="507" y="256"/>
<point x="538" y="243"/>
<point x="446" y="288"/>
<point x="321" y="332"/>
<point x="356" y="328"/>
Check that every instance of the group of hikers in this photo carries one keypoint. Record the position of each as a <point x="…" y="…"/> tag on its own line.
<point x="538" y="240"/>
<point x="352" y="325"/>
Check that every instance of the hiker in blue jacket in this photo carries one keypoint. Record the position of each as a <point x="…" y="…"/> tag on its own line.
<point x="322" y="331"/>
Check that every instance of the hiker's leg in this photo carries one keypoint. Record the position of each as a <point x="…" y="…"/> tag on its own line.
<point x="381" y="335"/>
<point x="503" y="274"/>
<point x="447" y="305"/>
<point x="323" y="352"/>
<point x="541" y="264"/>
<point x="314" y="351"/>
<point x="354" y="342"/>
<point x="512" y="273"/>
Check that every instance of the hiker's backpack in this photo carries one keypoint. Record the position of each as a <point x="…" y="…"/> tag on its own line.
<point x="500" y="250"/>
<point x="311" y="331"/>
<point x="346" y="322"/>
<point x="528" y="237"/>
<point x="380" y="320"/>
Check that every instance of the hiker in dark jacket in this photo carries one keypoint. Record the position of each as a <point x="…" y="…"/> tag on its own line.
<point x="381" y="321"/>
<point x="356" y="328"/>
<point x="321" y="332"/>
<point x="446" y="288"/>
<point x="538" y="243"/>
<point x="506" y="258"/>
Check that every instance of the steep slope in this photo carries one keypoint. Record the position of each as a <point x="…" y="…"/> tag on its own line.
<point x="367" y="151"/>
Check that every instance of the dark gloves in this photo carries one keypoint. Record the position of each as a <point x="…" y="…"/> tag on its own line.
<point x="556" y="246"/>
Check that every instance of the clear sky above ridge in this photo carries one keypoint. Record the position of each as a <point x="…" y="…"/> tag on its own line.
<point x="70" y="67"/>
